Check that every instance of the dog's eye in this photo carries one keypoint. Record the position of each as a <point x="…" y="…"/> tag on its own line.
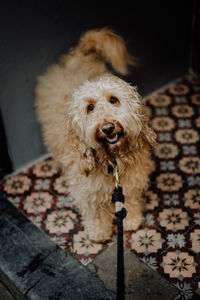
<point x="90" y="107"/>
<point x="113" y="100"/>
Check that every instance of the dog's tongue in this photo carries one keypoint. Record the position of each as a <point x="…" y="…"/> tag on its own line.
<point x="112" y="139"/>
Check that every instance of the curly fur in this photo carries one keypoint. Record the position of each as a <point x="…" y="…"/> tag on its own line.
<point x="73" y="104"/>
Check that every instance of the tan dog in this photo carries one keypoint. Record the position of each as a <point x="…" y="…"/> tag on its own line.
<point x="91" y="119"/>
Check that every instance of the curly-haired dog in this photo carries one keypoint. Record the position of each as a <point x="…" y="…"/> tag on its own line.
<point x="92" y="119"/>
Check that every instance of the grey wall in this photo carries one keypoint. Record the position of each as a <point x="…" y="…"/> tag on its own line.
<point x="34" y="33"/>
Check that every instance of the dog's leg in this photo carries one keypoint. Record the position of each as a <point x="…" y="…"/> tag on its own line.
<point x="134" y="214"/>
<point x="98" y="224"/>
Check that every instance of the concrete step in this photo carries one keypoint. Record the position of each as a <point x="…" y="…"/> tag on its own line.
<point x="35" y="268"/>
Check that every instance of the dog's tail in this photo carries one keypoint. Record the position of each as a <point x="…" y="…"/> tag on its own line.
<point x="108" y="46"/>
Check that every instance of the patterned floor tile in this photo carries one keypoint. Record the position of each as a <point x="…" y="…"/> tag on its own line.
<point x="169" y="238"/>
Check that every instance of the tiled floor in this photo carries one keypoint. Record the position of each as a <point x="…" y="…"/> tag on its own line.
<point x="169" y="238"/>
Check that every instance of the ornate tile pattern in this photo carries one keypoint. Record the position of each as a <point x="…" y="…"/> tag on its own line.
<point x="169" y="238"/>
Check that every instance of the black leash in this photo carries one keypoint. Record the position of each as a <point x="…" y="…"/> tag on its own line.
<point x="118" y="200"/>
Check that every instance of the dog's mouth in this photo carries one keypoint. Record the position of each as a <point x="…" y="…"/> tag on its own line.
<point x="109" y="133"/>
<point x="113" y="139"/>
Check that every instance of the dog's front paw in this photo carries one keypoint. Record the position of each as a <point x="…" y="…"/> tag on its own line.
<point x="100" y="235"/>
<point x="132" y="223"/>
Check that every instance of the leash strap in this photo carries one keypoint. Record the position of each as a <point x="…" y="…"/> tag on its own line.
<point x="118" y="200"/>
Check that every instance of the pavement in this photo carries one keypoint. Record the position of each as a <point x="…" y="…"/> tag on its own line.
<point x="33" y="267"/>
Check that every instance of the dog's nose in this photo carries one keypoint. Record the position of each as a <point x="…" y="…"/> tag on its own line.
<point x="108" y="128"/>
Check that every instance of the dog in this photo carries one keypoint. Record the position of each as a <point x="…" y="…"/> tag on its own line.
<point x="93" y="120"/>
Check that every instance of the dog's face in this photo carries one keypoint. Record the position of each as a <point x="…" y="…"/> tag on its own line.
<point x="106" y="113"/>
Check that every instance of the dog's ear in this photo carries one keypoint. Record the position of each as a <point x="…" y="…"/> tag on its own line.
<point x="79" y="151"/>
<point x="147" y="134"/>
<point x="87" y="160"/>
<point x="136" y="105"/>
